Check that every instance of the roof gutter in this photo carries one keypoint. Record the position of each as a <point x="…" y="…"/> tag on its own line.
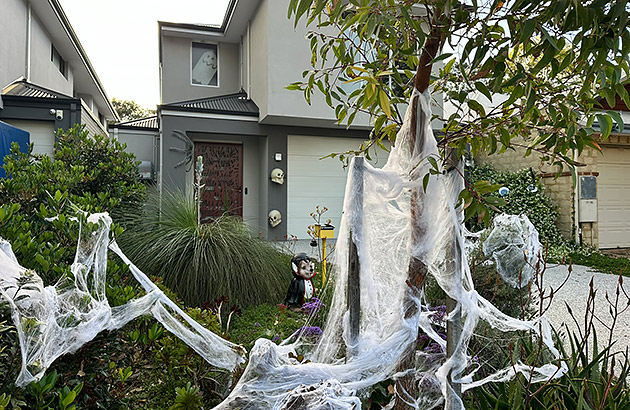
<point x="56" y="6"/>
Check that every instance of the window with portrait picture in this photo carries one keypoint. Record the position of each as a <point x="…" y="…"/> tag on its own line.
<point x="205" y="64"/>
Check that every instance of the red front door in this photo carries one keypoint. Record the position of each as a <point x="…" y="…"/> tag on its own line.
<point x="223" y="177"/>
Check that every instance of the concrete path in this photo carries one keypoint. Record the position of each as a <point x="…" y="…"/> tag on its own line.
<point x="575" y="293"/>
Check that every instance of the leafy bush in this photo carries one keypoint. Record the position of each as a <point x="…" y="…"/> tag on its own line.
<point x="203" y="262"/>
<point x="93" y="175"/>
<point x="526" y="196"/>
<point x="89" y="174"/>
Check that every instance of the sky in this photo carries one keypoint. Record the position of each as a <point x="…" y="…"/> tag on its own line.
<point x="120" y="38"/>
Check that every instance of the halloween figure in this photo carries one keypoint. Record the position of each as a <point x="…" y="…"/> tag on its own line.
<point x="301" y="287"/>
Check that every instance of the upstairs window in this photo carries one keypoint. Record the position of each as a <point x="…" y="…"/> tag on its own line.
<point x="204" y="64"/>
<point x="57" y="60"/>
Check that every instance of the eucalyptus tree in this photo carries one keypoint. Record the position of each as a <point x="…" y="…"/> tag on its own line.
<point x="543" y="68"/>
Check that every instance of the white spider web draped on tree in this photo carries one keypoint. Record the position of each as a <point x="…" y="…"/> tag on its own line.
<point x="382" y="231"/>
<point x="55" y="320"/>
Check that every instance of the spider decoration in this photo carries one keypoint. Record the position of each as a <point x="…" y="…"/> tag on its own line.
<point x="188" y="150"/>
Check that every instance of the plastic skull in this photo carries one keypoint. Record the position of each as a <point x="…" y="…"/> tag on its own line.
<point x="275" y="217"/>
<point x="277" y="176"/>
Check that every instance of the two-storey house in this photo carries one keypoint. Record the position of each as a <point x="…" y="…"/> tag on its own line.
<point x="224" y="97"/>
<point x="46" y="78"/>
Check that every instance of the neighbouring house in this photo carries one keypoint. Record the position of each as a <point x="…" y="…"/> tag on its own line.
<point x="595" y="211"/>
<point x="46" y="78"/>
<point x="223" y="97"/>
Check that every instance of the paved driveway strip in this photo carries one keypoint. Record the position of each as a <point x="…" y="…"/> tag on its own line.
<point x="575" y="292"/>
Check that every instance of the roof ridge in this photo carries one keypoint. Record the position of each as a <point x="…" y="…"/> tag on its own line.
<point x="215" y="97"/>
<point x="137" y="120"/>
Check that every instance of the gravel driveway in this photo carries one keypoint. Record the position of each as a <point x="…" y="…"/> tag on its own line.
<point x="575" y="292"/>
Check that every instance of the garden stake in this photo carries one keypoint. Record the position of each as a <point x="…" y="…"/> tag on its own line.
<point x="354" y="267"/>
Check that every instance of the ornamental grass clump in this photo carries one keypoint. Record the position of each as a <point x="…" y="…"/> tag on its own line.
<point x="202" y="262"/>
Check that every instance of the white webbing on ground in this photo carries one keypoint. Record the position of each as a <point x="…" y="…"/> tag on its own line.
<point x="54" y="320"/>
<point x="382" y="232"/>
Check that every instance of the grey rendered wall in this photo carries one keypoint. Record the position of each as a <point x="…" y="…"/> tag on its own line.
<point x="257" y="166"/>
<point x="140" y="143"/>
<point x="260" y="61"/>
<point x="13" y="43"/>
<point x="289" y="55"/>
<point x="176" y="84"/>
<point x="43" y="71"/>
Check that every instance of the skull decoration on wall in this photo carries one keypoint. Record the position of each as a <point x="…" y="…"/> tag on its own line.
<point x="277" y="176"/>
<point x="275" y="217"/>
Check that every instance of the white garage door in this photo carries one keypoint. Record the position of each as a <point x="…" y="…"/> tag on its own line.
<point x="312" y="182"/>
<point x="614" y="198"/>
<point x="42" y="134"/>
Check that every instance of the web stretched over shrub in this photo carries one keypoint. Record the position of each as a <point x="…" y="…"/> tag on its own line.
<point x="54" y="320"/>
<point x="378" y="212"/>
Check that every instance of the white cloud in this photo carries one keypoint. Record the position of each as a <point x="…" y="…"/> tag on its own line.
<point x="120" y="38"/>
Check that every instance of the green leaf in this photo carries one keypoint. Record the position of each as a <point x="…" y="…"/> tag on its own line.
<point x="425" y="181"/>
<point x="441" y="57"/>
<point x="527" y="29"/>
<point x="615" y="115"/>
<point x="605" y="124"/>
<point x="384" y="103"/>
<point x="481" y="87"/>
<point x="475" y="106"/>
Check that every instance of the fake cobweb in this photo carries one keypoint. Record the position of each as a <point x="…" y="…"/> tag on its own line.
<point x="377" y="210"/>
<point x="54" y="320"/>
<point x="341" y="367"/>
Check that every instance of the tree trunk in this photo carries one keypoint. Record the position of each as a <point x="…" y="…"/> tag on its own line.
<point x="406" y="386"/>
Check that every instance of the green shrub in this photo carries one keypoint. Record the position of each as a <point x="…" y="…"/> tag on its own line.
<point x="203" y="262"/>
<point x="91" y="174"/>
<point x="536" y="205"/>
<point x="88" y="174"/>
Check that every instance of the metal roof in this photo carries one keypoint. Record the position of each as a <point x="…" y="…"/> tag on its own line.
<point x="237" y="103"/>
<point x="22" y="88"/>
<point x="145" y="123"/>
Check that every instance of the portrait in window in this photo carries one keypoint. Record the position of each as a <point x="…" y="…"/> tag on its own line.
<point x="205" y="64"/>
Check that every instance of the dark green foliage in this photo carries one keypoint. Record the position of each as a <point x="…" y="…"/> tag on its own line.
<point x="602" y="263"/>
<point x="536" y="205"/>
<point x="202" y="263"/>
<point x="110" y="174"/>
<point x="93" y="175"/>
<point x="187" y="398"/>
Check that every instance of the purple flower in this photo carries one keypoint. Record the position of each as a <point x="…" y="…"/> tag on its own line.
<point x="312" y="307"/>
<point x="439" y="314"/>
<point x="423" y="338"/>
<point x="276" y="338"/>
<point x="256" y="324"/>
<point x="433" y="348"/>
<point x="310" y="331"/>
